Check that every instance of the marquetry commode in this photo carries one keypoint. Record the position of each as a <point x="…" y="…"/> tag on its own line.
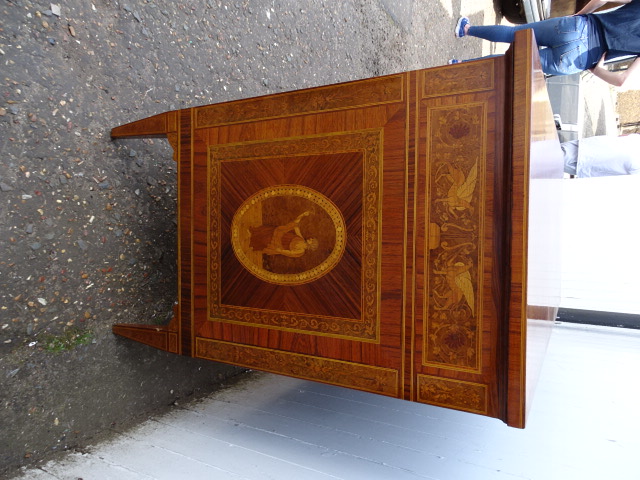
<point x="396" y="235"/>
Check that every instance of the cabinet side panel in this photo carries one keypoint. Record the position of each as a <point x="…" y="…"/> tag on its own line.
<point x="535" y="260"/>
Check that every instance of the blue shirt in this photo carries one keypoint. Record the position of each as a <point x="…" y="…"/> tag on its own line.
<point x="620" y="29"/>
<point x="596" y="41"/>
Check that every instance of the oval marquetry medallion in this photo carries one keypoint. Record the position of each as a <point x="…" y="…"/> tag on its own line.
<point x="288" y="235"/>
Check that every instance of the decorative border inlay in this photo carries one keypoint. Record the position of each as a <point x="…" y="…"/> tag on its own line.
<point x="375" y="91"/>
<point x="456" y="156"/>
<point x="467" y="396"/>
<point x="346" y="374"/>
<point x="370" y="143"/>
<point x="457" y="79"/>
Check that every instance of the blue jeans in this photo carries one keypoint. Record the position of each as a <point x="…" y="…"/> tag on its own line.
<point x="565" y="40"/>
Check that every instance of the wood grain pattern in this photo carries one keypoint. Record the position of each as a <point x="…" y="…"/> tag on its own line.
<point x="523" y="76"/>
<point x="536" y="159"/>
<point x="373" y="234"/>
<point x="161" y="337"/>
<point x="159" y="126"/>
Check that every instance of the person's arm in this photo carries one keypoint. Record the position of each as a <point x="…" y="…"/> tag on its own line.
<point x="617" y="79"/>
<point x="296" y="222"/>
<point x="593" y="5"/>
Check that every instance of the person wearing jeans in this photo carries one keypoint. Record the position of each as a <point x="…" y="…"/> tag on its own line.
<point x="576" y="43"/>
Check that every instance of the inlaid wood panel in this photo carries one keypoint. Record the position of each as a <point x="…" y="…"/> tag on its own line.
<point x="456" y="164"/>
<point x="324" y="193"/>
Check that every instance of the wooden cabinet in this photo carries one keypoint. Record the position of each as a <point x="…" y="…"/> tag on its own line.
<point x="372" y="234"/>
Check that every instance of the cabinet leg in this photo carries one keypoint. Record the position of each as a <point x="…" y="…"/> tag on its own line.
<point x="160" y="337"/>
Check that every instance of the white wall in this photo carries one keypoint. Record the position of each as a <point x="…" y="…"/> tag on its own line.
<point x="601" y="244"/>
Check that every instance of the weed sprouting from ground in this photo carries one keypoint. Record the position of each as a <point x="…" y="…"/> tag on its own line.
<point x="68" y="340"/>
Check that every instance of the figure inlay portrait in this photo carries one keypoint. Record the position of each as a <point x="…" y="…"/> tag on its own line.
<point x="288" y="234"/>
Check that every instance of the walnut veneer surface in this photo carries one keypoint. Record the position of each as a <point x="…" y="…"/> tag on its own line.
<point x="397" y="235"/>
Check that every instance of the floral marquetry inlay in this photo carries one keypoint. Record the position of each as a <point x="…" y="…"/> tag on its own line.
<point x="455" y="163"/>
<point x="467" y="396"/>
<point x="463" y="78"/>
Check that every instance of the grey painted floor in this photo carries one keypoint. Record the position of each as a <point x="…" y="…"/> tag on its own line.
<point x="584" y="424"/>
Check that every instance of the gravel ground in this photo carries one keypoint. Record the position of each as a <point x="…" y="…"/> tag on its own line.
<point x="87" y="224"/>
